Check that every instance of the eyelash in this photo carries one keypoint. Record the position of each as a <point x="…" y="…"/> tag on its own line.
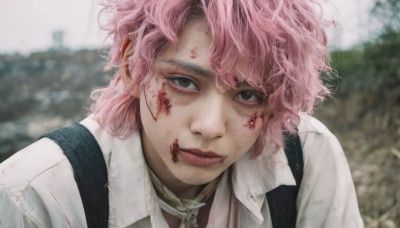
<point x="176" y="81"/>
<point x="256" y="98"/>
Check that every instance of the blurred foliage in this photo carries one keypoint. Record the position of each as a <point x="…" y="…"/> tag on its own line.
<point x="373" y="66"/>
<point x="388" y="12"/>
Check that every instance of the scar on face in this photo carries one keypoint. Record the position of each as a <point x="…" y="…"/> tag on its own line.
<point x="193" y="53"/>
<point x="251" y="122"/>
<point x="147" y="103"/>
<point x="174" y="149"/>
<point x="163" y="102"/>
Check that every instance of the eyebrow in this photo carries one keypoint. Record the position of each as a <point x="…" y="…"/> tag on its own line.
<point x="200" y="71"/>
<point x="190" y="67"/>
<point x="242" y="84"/>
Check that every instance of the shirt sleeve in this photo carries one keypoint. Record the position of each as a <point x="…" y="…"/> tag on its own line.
<point x="327" y="196"/>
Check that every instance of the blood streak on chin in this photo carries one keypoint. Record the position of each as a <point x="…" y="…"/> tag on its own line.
<point x="164" y="102"/>
<point x="174" y="149"/>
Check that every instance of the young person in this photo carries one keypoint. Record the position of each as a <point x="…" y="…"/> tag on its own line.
<point x="192" y="126"/>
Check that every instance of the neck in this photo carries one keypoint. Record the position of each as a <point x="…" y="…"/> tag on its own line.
<point x="180" y="189"/>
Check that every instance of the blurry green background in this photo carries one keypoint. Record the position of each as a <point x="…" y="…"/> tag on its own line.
<point x="44" y="90"/>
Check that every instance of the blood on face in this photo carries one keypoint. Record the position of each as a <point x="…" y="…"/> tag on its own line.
<point x="262" y="116"/>
<point x="251" y="122"/>
<point x="193" y="54"/>
<point x="174" y="150"/>
<point x="163" y="102"/>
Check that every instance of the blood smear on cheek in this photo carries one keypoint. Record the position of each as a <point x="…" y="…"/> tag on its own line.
<point x="164" y="103"/>
<point x="174" y="149"/>
<point x="251" y="123"/>
<point x="262" y="116"/>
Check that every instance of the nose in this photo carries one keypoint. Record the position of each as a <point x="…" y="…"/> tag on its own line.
<point x="209" y="119"/>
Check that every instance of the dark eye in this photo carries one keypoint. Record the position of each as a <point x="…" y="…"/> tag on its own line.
<point x="184" y="83"/>
<point x="247" y="95"/>
<point x="250" y="97"/>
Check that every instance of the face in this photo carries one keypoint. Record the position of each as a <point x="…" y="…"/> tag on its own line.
<point x="191" y="130"/>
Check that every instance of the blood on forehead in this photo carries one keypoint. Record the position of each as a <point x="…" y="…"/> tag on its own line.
<point x="193" y="53"/>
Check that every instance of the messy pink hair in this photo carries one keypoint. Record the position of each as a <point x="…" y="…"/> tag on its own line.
<point x="279" y="44"/>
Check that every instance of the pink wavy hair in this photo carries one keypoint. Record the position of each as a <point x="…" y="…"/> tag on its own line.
<point x="282" y="43"/>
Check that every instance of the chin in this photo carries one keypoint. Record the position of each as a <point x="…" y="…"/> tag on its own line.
<point x="196" y="178"/>
<point x="197" y="181"/>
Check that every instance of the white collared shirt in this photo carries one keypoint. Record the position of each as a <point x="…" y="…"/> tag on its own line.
<point x="37" y="187"/>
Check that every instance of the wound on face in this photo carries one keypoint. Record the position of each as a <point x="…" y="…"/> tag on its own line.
<point x="164" y="103"/>
<point x="251" y="123"/>
<point x="174" y="150"/>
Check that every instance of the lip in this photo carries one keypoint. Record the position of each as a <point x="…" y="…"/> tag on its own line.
<point x="200" y="158"/>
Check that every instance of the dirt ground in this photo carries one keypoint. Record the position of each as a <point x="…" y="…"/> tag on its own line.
<point x="370" y="138"/>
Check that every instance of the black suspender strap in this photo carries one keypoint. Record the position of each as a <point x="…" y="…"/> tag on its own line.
<point x="90" y="171"/>
<point x="282" y="200"/>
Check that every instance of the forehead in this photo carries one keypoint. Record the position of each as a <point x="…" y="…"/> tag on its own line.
<point x="194" y="48"/>
<point x="193" y="45"/>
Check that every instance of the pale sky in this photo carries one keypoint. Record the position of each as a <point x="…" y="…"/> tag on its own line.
<point x="27" y="25"/>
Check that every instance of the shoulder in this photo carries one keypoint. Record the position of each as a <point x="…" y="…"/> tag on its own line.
<point x="316" y="138"/>
<point x="327" y="181"/>
<point x="324" y="159"/>
<point x="39" y="181"/>
<point x="321" y="149"/>
<point x="32" y="162"/>
<point x="311" y="125"/>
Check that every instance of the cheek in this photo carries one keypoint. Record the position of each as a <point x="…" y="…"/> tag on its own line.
<point x="157" y="99"/>
<point x="164" y="102"/>
<point x="255" y="121"/>
<point x="250" y="129"/>
<point x="246" y="130"/>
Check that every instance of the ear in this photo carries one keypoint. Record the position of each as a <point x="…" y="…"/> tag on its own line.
<point x="126" y="52"/>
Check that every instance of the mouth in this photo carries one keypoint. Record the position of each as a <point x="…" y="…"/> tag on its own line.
<point x="200" y="157"/>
